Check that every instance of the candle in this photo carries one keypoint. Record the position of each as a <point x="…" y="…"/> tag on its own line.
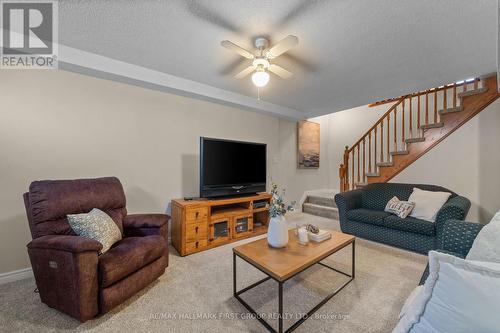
<point x="303" y="237"/>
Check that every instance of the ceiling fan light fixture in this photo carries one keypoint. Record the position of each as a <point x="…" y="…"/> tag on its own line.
<point x="260" y="78"/>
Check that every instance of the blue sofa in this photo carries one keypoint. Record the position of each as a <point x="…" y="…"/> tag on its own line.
<point x="456" y="239"/>
<point x="361" y="213"/>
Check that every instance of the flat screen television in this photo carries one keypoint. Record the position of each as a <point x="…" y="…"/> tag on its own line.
<point x="231" y="168"/>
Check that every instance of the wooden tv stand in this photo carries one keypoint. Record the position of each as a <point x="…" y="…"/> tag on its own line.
<point x="202" y="224"/>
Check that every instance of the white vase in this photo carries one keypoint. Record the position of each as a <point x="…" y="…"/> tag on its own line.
<point x="277" y="232"/>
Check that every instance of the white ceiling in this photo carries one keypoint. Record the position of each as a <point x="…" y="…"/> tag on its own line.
<point x="350" y="52"/>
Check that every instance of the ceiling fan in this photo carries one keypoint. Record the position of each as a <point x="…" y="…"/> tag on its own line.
<point x="261" y="62"/>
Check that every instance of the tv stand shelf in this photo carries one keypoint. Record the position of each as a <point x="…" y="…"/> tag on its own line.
<point x="202" y="224"/>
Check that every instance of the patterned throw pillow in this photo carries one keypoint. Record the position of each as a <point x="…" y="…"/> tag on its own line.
<point x="400" y="208"/>
<point x="96" y="225"/>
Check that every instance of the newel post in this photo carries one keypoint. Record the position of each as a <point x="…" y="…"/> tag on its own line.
<point x="344" y="171"/>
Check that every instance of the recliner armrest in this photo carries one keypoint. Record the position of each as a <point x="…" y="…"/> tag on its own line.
<point x="65" y="269"/>
<point x="74" y="244"/>
<point x="138" y="225"/>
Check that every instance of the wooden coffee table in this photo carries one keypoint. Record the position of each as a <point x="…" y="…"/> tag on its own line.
<point x="285" y="263"/>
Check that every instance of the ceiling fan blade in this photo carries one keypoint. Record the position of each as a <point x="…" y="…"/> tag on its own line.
<point x="244" y="72"/>
<point x="280" y="71"/>
<point x="282" y="46"/>
<point x="235" y="48"/>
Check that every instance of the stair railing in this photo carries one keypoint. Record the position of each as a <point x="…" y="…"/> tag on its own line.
<point x="404" y="122"/>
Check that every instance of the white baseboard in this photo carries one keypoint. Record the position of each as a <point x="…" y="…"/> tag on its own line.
<point x="20" y="274"/>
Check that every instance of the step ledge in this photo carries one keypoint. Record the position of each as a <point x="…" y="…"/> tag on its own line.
<point x="472" y="92"/>
<point x="451" y="110"/>
<point x="414" y="140"/>
<point x="385" y="164"/>
<point x="372" y="174"/>
<point x="429" y="126"/>
<point x="400" y="152"/>
<point x="314" y="206"/>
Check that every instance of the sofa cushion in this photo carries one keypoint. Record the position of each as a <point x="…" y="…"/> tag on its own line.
<point x="458" y="296"/>
<point x="410" y="224"/>
<point x="485" y="246"/>
<point x="367" y="216"/>
<point x="427" y="203"/>
<point x="127" y="256"/>
<point x="375" y="196"/>
<point x="399" y="208"/>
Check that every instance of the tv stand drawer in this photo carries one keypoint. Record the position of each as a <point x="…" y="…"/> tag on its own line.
<point x="196" y="232"/>
<point x="196" y="246"/>
<point x="196" y="215"/>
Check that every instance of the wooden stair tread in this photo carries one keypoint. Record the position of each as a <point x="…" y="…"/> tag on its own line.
<point x="451" y="110"/>
<point x="472" y="92"/>
<point x="435" y="125"/>
<point x="413" y="140"/>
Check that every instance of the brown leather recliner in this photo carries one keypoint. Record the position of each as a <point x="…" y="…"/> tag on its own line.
<point x="70" y="274"/>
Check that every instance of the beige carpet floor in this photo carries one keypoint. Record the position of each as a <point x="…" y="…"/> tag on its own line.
<point x="195" y="295"/>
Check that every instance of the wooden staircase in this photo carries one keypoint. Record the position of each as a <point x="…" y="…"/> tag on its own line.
<point x="412" y="126"/>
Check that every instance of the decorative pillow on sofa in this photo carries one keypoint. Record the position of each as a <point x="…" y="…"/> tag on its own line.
<point x="96" y="225"/>
<point x="459" y="296"/>
<point x="427" y="203"/>
<point x="399" y="208"/>
<point x="486" y="245"/>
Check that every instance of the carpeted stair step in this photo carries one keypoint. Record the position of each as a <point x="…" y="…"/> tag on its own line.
<point x="400" y="152"/>
<point x="472" y="92"/>
<point x="319" y="210"/>
<point x="385" y="164"/>
<point x="451" y="110"/>
<point x="413" y="140"/>
<point x="429" y="126"/>
<point x="322" y="201"/>
<point x="372" y="174"/>
<point x="360" y="184"/>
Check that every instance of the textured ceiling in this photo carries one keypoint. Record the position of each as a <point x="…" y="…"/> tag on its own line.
<point x="350" y="52"/>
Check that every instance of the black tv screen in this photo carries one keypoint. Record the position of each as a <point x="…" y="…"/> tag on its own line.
<point x="231" y="167"/>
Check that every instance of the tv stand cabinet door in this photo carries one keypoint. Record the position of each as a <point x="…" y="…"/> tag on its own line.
<point x="219" y="231"/>
<point x="242" y="226"/>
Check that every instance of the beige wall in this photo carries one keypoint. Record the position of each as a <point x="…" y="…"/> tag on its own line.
<point x="56" y="125"/>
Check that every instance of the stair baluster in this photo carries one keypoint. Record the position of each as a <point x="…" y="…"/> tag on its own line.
<point x="435" y="106"/>
<point x="418" y="114"/>
<point x="426" y="108"/>
<point x="411" y="119"/>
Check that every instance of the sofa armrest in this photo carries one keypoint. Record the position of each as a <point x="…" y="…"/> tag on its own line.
<point x="456" y="208"/>
<point x="145" y="224"/>
<point x="457" y="236"/>
<point x="348" y="200"/>
<point x="65" y="270"/>
<point x="73" y="244"/>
